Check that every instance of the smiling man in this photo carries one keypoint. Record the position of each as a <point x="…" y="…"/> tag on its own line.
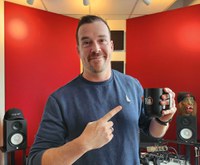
<point x="95" y="119"/>
<point x="95" y="48"/>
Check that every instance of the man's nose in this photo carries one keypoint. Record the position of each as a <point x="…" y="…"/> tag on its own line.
<point x="95" y="47"/>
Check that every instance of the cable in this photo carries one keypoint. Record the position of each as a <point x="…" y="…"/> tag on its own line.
<point x="176" y="153"/>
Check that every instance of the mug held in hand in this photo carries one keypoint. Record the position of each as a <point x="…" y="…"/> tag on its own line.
<point x="152" y="99"/>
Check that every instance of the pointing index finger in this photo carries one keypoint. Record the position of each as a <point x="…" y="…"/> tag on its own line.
<point x="112" y="113"/>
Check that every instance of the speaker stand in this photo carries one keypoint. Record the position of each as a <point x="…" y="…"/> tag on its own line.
<point x="24" y="157"/>
<point x="188" y="152"/>
<point x="9" y="158"/>
<point x="12" y="158"/>
<point x="197" y="155"/>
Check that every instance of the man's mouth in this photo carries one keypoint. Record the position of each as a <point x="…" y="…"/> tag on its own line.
<point x="95" y="57"/>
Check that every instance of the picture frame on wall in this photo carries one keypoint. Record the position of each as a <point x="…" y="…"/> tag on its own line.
<point x="118" y="38"/>
<point x="118" y="65"/>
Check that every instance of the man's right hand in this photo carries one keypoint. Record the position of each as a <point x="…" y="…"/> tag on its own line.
<point x="100" y="132"/>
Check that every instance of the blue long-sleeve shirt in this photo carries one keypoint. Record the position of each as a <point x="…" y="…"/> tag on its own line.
<point x="73" y="106"/>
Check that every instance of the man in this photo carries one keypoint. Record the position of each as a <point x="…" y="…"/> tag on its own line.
<point x="95" y="118"/>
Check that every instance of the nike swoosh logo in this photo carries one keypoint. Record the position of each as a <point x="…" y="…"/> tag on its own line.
<point x="127" y="99"/>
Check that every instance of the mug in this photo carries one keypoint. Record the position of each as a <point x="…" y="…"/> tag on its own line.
<point x="152" y="99"/>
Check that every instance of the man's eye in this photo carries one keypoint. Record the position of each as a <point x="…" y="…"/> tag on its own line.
<point x="86" y="43"/>
<point x="103" y="41"/>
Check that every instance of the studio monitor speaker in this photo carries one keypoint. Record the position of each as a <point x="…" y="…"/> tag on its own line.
<point x="15" y="131"/>
<point x="186" y="129"/>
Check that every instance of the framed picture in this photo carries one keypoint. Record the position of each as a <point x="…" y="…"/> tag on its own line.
<point x="118" y="38"/>
<point x="118" y="65"/>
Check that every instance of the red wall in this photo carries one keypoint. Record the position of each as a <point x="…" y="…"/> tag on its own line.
<point x="40" y="56"/>
<point x="163" y="50"/>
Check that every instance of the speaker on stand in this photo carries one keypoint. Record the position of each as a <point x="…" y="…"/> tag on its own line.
<point x="186" y="128"/>
<point x="15" y="135"/>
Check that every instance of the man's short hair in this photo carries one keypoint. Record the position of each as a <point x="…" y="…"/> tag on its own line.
<point x="89" y="19"/>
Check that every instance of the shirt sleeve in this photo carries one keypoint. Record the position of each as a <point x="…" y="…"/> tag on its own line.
<point x="51" y="133"/>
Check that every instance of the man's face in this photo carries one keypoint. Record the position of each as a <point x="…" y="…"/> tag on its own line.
<point x="95" y="47"/>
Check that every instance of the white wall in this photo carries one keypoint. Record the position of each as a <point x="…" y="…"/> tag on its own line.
<point x="2" y="76"/>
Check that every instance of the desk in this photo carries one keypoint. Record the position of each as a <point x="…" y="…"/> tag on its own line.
<point x="188" y="146"/>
